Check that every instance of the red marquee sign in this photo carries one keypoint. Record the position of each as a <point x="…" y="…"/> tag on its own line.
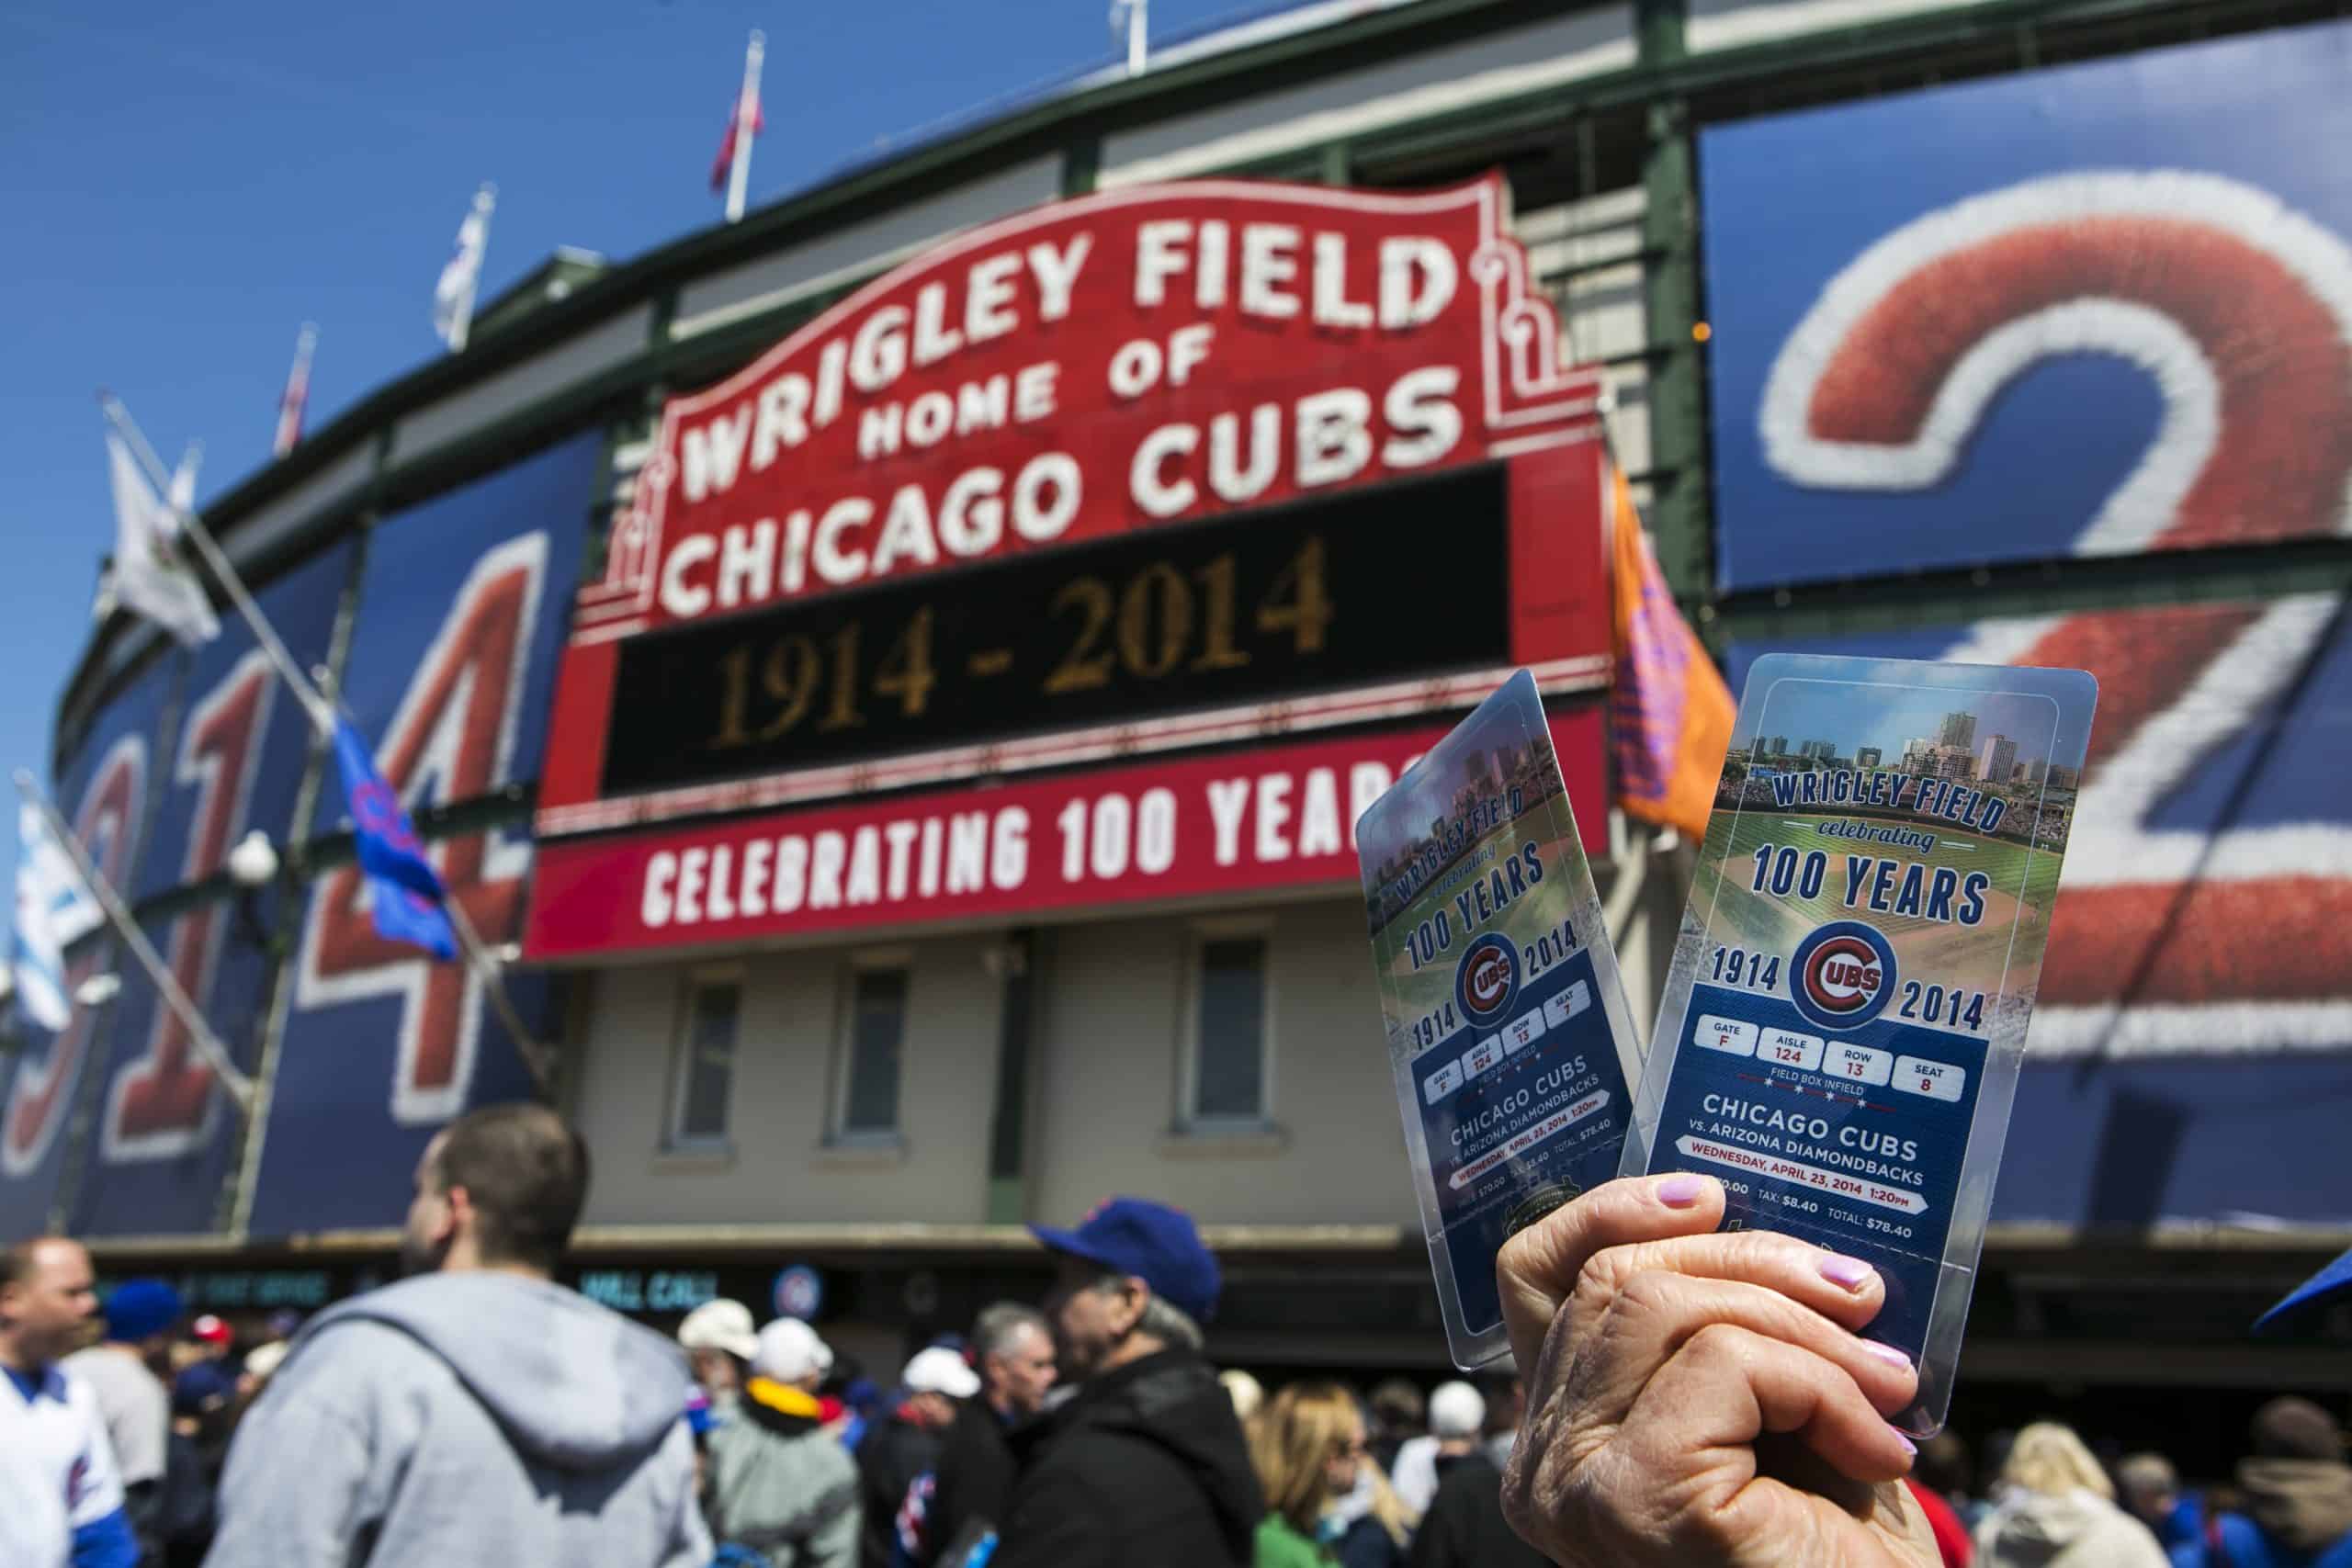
<point x="1254" y="821"/>
<point x="1143" y="357"/>
<point x="1148" y="472"/>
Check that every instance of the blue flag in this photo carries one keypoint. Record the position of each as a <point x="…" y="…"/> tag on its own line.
<point x="404" y="891"/>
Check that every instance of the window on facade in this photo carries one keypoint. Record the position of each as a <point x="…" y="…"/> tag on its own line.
<point x="705" y="1073"/>
<point x="1229" y="1031"/>
<point x="878" y="1028"/>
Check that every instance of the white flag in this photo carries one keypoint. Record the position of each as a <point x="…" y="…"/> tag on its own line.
<point x="453" y="297"/>
<point x="149" y="577"/>
<point x="181" y="499"/>
<point x="297" y="396"/>
<point x="54" y="911"/>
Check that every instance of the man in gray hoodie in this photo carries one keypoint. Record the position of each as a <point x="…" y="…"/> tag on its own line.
<point x="479" y="1413"/>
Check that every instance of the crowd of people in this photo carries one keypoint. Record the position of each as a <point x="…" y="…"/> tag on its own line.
<point x="1682" y="1397"/>
<point x="165" y="1387"/>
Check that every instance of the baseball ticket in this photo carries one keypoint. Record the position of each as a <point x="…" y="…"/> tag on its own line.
<point x="1842" y="1029"/>
<point x="1507" y="1032"/>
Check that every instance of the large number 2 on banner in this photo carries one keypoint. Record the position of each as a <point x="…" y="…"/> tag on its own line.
<point x="2242" y="309"/>
<point x="455" y="729"/>
<point x="107" y="820"/>
<point x="161" y="1104"/>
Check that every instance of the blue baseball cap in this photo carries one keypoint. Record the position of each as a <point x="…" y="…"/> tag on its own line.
<point x="2335" y="1276"/>
<point x="140" y="1309"/>
<point x="203" y="1388"/>
<point x="1157" y="1245"/>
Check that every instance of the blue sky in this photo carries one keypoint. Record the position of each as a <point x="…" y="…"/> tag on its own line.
<point x="187" y="184"/>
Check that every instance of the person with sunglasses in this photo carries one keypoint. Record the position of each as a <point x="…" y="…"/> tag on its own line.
<point x="1308" y="1445"/>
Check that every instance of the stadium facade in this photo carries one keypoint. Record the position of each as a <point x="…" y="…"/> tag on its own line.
<point x="900" y="670"/>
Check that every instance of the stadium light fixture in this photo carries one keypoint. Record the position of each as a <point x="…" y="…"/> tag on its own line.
<point x="254" y="862"/>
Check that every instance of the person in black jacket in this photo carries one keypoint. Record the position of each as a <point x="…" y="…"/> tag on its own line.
<point x="899" y="1448"/>
<point x="1464" y="1527"/>
<point x="1146" y="1466"/>
<point x="966" y="1495"/>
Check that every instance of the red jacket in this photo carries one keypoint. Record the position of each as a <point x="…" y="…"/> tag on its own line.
<point x="1952" y="1537"/>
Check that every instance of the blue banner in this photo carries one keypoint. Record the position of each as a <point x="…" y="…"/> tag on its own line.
<point x="244" y="742"/>
<point x="105" y="793"/>
<point x="2190" y="1057"/>
<point x="462" y="609"/>
<point x="2095" y="309"/>
<point x="165" y="1128"/>
<point x="478" y="579"/>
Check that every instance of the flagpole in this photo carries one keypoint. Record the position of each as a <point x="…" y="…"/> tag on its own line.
<point x="207" y="1045"/>
<point x="747" y="111"/>
<point x="537" y="1058"/>
<point x="322" y="720"/>
<point x="192" y="529"/>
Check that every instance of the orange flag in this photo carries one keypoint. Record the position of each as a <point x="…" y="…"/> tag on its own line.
<point x="1669" y="711"/>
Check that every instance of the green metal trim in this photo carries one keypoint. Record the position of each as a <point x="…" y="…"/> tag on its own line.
<point x="1640" y="256"/>
<point x="1901" y="43"/>
<point x="1081" y="162"/>
<point x="1017" y="1016"/>
<point x="1301" y="165"/>
<point x="1335" y="165"/>
<point x="601" y="506"/>
<point x="2043" y="588"/>
<point x="1657" y="27"/>
<point x="1680" y="522"/>
<point x="567" y="268"/>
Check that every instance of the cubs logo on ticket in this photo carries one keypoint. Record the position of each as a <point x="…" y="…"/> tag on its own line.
<point x="1841" y="1035"/>
<point x="1508" y="1032"/>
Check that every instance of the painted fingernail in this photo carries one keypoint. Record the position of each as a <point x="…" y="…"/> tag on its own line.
<point x="1850" y="1272"/>
<point x="1681" y="1191"/>
<point x="1887" y="1353"/>
<point x="1909" y="1446"/>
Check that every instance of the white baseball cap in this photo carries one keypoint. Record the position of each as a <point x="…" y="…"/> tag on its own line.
<point x="789" y="1351"/>
<point x="720" y="1325"/>
<point x="1456" y="1410"/>
<point x="941" y="1371"/>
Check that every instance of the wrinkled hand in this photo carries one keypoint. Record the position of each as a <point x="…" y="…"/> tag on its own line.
<point x="1699" y="1399"/>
